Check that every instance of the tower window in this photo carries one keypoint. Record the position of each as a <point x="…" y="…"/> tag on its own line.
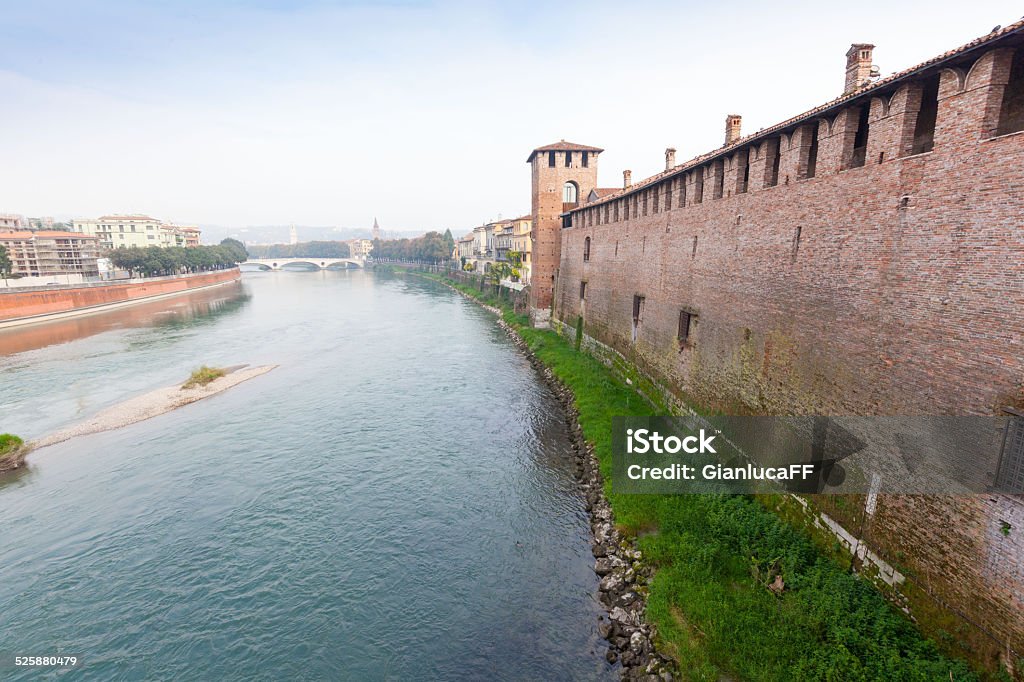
<point x="570" y="193"/>
<point x="586" y="249"/>
<point x="551" y="159"/>
<point x="585" y="159"/>
<point x="568" y="159"/>
<point x="583" y="291"/>
<point x="698" y="185"/>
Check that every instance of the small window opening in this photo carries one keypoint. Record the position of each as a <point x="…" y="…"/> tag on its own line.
<point x="668" y="195"/>
<point x="719" y="170"/>
<point x="586" y="249"/>
<point x="646" y="192"/>
<point x="568" y="159"/>
<point x="693" y="254"/>
<point x="698" y="186"/>
<point x="796" y="241"/>
<point x="585" y="159"/>
<point x="551" y="159"/>
<point x="583" y="291"/>
<point x="686" y="320"/>
<point x="924" y="127"/>
<point x="638" y="312"/>
<point x="656" y="197"/>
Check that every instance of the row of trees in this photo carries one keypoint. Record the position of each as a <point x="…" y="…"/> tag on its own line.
<point x="301" y="250"/>
<point x="433" y="247"/>
<point x="154" y="261"/>
<point x="5" y="262"/>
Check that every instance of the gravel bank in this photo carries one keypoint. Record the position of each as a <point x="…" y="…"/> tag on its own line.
<point x="150" y="405"/>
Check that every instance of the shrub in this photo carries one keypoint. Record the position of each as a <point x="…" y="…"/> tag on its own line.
<point x="203" y="376"/>
<point x="9" y="443"/>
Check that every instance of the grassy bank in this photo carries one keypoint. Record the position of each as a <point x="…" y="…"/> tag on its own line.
<point x="716" y="554"/>
<point x="10" y="451"/>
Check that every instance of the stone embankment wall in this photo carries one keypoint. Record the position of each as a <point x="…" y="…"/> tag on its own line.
<point x="20" y="305"/>
<point x="794" y="272"/>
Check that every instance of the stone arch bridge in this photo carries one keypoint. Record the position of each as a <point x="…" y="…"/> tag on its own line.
<point x="320" y="263"/>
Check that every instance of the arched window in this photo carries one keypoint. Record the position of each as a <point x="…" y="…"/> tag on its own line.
<point x="570" y="193"/>
<point x="586" y="249"/>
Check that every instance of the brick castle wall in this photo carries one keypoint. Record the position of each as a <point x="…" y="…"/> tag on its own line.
<point x="892" y="288"/>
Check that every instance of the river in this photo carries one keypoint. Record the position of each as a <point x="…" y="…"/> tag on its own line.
<point x="394" y="501"/>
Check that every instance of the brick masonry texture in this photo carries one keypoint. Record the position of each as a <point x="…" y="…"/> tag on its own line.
<point x="895" y="287"/>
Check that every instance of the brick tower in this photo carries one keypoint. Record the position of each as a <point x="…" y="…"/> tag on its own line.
<point x="563" y="175"/>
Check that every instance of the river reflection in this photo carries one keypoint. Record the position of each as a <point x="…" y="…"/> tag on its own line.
<point x="198" y="304"/>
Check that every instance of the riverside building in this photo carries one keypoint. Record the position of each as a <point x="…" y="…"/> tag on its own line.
<point x="51" y="254"/>
<point x="115" y="231"/>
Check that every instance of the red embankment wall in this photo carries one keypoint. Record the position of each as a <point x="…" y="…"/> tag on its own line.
<point x="18" y="304"/>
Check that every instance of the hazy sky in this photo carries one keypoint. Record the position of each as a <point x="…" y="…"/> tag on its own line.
<point x="420" y="113"/>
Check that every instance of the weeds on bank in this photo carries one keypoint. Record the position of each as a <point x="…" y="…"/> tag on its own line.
<point x="716" y="554"/>
<point x="202" y="376"/>
<point x="9" y="443"/>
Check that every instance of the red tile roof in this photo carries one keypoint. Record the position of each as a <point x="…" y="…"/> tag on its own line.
<point x="884" y="84"/>
<point x="563" y="146"/>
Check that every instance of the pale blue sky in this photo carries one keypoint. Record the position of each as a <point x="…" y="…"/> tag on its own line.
<point x="421" y="113"/>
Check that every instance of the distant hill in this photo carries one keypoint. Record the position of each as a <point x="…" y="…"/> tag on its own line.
<point x="279" y="234"/>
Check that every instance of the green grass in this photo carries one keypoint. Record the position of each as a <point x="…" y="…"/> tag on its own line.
<point x="714" y="555"/>
<point x="9" y="443"/>
<point x="202" y="376"/>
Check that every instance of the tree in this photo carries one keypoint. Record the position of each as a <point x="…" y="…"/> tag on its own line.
<point x="498" y="272"/>
<point x="449" y="242"/>
<point x="5" y="262"/>
<point x="153" y="261"/>
<point x="237" y="249"/>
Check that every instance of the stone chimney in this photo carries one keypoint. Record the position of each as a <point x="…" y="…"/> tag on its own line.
<point x="670" y="158"/>
<point x="858" y="66"/>
<point x="627" y="179"/>
<point x="732" y="128"/>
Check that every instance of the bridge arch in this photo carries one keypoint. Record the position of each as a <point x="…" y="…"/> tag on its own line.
<point x="318" y="263"/>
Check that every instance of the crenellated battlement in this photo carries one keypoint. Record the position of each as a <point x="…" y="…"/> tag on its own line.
<point x="965" y="94"/>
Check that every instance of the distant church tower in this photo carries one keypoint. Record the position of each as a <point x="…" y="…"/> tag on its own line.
<point x="564" y="173"/>
<point x="293" y="235"/>
<point x="376" y="230"/>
